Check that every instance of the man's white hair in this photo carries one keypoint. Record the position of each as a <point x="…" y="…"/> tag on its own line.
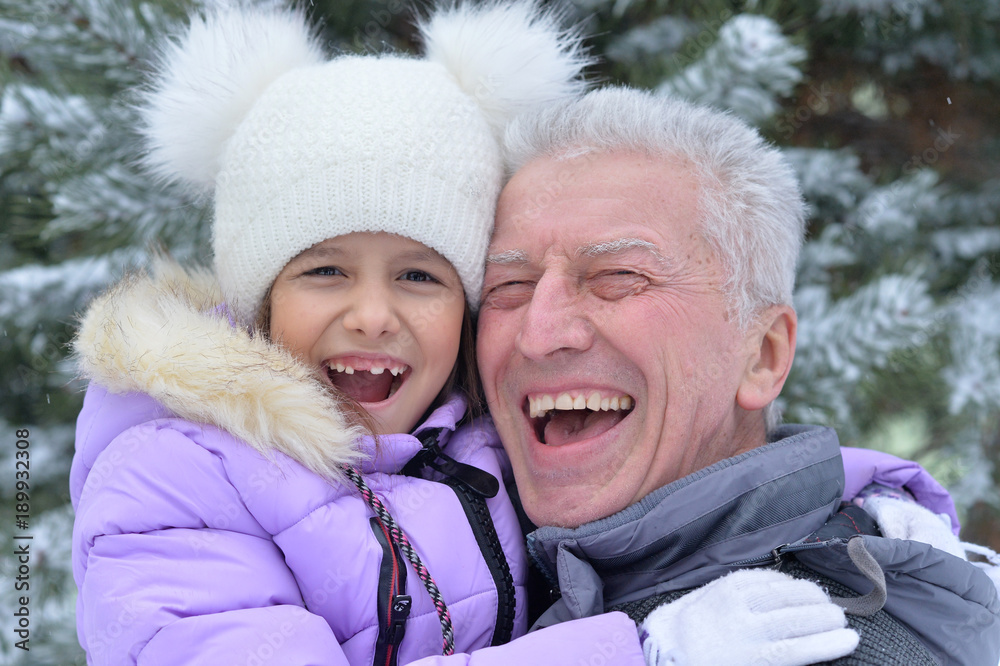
<point x="753" y="214"/>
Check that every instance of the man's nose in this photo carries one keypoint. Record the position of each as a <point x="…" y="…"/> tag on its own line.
<point x="371" y="312"/>
<point x="555" y="320"/>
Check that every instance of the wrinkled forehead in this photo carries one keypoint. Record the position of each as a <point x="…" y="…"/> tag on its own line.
<point x="595" y="205"/>
<point x="598" y="248"/>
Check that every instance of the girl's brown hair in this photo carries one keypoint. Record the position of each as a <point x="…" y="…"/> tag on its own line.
<point x="464" y="377"/>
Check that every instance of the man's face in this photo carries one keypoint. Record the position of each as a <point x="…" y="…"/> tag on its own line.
<point x="600" y="293"/>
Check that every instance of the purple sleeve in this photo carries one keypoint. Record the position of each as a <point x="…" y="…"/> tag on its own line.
<point x="611" y="638"/>
<point x="173" y="569"/>
<point x="274" y="635"/>
<point x="863" y="467"/>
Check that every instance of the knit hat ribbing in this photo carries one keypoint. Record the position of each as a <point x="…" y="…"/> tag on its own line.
<point x="415" y="158"/>
<point x="297" y="149"/>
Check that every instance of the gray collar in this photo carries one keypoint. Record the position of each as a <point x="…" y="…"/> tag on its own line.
<point x="698" y="527"/>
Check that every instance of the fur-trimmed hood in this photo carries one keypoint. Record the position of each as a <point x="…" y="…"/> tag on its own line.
<point x="166" y="334"/>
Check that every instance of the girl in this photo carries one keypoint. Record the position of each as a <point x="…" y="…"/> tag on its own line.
<point x="269" y="462"/>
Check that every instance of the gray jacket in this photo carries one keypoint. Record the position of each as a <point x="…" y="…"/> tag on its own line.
<point x="734" y="514"/>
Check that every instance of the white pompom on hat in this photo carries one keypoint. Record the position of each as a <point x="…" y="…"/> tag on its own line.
<point x="297" y="149"/>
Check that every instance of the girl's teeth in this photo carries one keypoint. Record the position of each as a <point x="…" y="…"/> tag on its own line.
<point x="375" y="369"/>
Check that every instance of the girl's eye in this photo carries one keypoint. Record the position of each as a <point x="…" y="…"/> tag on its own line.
<point x="325" y="271"/>
<point x="418" y="276"/>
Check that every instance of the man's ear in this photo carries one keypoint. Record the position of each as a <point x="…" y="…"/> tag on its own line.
<point x="771" y="348"/>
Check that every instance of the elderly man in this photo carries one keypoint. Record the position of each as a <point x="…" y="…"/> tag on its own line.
<point x="636" y="325"/>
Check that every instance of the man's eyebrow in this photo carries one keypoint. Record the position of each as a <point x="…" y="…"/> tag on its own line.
<point x="620" y="245"/>
<point x="508" y="257"/>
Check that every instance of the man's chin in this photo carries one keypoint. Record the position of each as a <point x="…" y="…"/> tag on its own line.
<point x="569" y="506"/>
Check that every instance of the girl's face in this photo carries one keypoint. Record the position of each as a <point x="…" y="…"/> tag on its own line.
<point x="380" y="315"/>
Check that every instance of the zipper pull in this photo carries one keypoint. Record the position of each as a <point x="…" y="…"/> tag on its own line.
<point x="400" y="605"/>
<point x="475" y="479"/>
<point x="478" y="481"/>
<point x="771" y="559"/>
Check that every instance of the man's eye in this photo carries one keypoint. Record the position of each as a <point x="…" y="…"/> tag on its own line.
<point x="615" y="285"/>
<point x="508" y="295"/>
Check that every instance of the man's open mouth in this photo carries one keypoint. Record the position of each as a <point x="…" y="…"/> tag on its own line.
<point x="373" y="384"/>
<point x="569" y="417"/>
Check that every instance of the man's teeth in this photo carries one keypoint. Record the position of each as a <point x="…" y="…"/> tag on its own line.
<point x="396" y="370"/>
<point x="543" y="404"/>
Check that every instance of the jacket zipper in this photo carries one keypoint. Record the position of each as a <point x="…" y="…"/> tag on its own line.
<point x="472" y="486"/>
<point x="489" y="544"/>
<point x="776" y="555"/>
<point x="393" y="606"/>
<point x="773" y="558"/>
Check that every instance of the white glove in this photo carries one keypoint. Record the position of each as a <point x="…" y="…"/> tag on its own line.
<point x="752" y="616"/>
<point x="900" y="519"/>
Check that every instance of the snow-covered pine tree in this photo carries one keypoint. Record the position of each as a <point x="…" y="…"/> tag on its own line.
<point x="887" y="109"/>
<point x="75" y="213"/>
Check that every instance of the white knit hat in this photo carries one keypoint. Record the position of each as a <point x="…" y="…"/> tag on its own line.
<point x="297" y="149"/>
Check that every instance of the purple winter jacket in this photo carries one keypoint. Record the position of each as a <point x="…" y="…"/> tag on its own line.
<point x="863" y="467"/>
<point x="212" y="526"/>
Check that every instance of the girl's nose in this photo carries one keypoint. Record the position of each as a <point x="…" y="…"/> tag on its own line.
<point x="372" y="313"/>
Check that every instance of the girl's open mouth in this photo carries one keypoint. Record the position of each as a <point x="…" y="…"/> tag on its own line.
<point x="371" y="385"/>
